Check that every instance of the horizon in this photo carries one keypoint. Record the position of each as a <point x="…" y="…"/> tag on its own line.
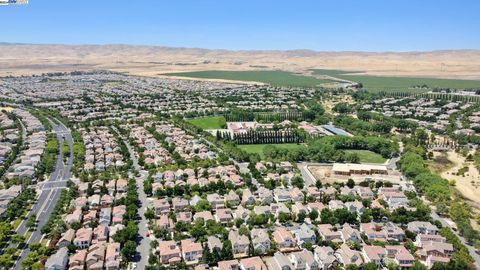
<point x="340" y="26"/>
<point x="8" y="43"/>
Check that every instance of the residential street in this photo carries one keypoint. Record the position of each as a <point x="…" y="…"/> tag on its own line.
<point x="143" y="241"/>
<point x="306" y="174"/>
<point x="471" y="249"/>
<point x="49" y="190"/>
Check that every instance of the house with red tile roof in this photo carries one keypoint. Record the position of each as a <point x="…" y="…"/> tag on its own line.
<point x="192" y="252"/>
<point x="284" y="239"/>
<point x="169" y="252"/>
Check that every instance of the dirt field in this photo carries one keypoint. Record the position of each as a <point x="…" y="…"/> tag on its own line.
<point x="324" y="174"/>
<point x="469" y="184"/>
<point x="440" y="163"/>
<point x="155" y="60"/>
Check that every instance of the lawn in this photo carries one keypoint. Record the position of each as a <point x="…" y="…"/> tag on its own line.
<point x="393" y="84"/>
<point x="258" y="148"/>
<point x="16" y="223"/>
<point x="367" y="156"/>
<point x="273" y="77"/>
<point x="209" y="122"/>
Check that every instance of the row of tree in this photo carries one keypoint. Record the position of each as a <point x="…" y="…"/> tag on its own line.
<point x="264" y="136"/>
<point x="247" y="116"/>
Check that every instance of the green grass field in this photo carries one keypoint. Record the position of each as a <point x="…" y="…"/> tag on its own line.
<point x="209" y="122"/>
<point x="273" y="77"/>
<point x="393" y="84"/>
<point x="258" y="148"/>
<point x="371" y="83"/>
<point x="367" y="156"/>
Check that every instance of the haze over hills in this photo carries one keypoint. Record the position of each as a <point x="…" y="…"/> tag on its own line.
<point x="25" y="59"/>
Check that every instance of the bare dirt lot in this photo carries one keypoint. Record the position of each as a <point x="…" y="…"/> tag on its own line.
<point x="467" y="184"/>
<point x="24" y="59"/>
<point x="324" y="174"/>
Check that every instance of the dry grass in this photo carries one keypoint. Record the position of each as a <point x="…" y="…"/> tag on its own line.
<point x="440" y="163"/>
<point x="467" y="184"/>
<point x="151" y="60"/>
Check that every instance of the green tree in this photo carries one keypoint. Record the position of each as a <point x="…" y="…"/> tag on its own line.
<point x="128" y="250"/>
<point x="313" y="215"/>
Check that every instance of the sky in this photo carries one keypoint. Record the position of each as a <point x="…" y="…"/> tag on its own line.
<point x="333" y="25"/>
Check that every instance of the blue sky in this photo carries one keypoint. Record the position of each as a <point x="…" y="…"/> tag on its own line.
<point x="336" y="25"/>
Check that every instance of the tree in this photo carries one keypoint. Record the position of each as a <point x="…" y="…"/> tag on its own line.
<point x="308" y="246"/>
<point x="284" y="217"/>
<point x="392" y="266"/>
<point x="18" y="239"/>
<point x="31" y="222"/>
<point x="207" y="256"/>
<point x="370" y="266"/>
<point x="226" y="252"/>
<point x="350" y="183"/>
<point x="238" y="222"/>
<point x="152" y="259"/>
<point x="342" y="108"/>
<point x="128" y="233"/>
<point x="418" y="266"/>
<point x="244" y="231"/>
<point x="128" y="250"/>
<point x="150" y="213"/>
<point x="301" y="216"/>
<point x="6" y="261"/>
<point x="297" y="181"/>
<point x="313" y="215"/>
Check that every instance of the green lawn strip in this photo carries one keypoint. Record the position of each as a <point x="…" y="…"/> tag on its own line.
<point x="209" y="122"/>
<point x="16" y="223"/>
<point x="27" y="235"/>
<point x="367" y="156"/>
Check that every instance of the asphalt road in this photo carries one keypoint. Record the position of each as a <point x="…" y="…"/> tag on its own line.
<point x="143" y="248"/>
<point x="50" y="191"/>
<point x="306" y="174"/>
<point x="470" y="248"/>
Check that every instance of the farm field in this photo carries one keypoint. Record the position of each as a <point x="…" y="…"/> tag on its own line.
<point x="394" y="84"/>
<point x="273" y="77"/>
<point x="367" y="156"/>
<point x="258" y="148"/>
<point x="209" y="122"/>
<point x="371" y="83"/>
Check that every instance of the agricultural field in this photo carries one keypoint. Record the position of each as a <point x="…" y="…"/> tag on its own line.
<point x="367" y="156"/>
<point x="209" y="122"/>
<point x="258" y="148"/>
<point x="394" y="84"/>
<point x="372" y="83"/>
<point x="273" y="77"/>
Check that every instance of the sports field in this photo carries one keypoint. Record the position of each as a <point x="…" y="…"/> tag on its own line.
<point x="258" y="148"/>
<point x="273" y="77"/>
<point x="209" y="122"/>
<point x="367" y="156"/>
